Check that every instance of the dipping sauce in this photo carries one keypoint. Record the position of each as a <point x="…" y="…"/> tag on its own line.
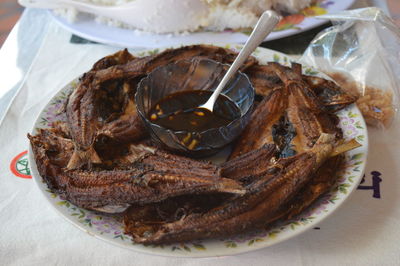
<point x="179" y="111"/>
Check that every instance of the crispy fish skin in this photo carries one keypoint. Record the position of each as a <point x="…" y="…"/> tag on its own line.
<point x="83" y="114"/>
<point x="142" y="218"/>
<point x="294" y="104"/>
<point x="259" y="131"/>
<point x="293" y="81"/>
<point x="305" y="111"/>
<point x="85" y="119"/>
<point x="251" y="165"/>
<point x="52" y="151"/>
<point x="330" y="95"/>
<point x="119" y="58"/>
<point x="153" y="177"/>
<point x="264" y="198"/>
<point x="143" y="184"/>
<point x="128" y="127"/>
<point x="125" y="129"/>
<point x="144" y="65"/>
<point x="89" y="112"/>
<point x="83" y="122"/>
<point x="81" y="111"/>
<point x="321" y="182"/>
<point x="264" y="79"/>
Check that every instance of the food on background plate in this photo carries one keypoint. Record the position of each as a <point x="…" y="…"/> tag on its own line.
<point x="360" y="52"/>
<point x="287" y="157"/>
<point x="170" y="16"/>
<point x="375" y="104"/>
<point x="377" y="107"/>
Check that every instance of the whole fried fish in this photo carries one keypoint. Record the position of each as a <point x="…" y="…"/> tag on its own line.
<point x="89" y="108"/>
<point x="263" y="200"/>
<point x="144" y="65"/>
<point x="291" y="117"/>
<point x="151" y="176"/>
<point x="265" y="79"/>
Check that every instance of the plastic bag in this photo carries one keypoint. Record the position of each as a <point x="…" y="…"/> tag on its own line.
<point x="361" y="52"/>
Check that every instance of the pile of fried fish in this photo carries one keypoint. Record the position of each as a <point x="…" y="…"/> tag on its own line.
<point x="102" y="158"/>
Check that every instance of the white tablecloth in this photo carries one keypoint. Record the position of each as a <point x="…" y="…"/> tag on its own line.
<point x="365" y="231"/>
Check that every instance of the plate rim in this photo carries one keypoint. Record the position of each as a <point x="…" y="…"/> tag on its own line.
<point x="209" y="253"/>
<point x="312" y="22"/>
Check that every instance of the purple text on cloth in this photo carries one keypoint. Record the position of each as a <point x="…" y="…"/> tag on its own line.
<point x="376" y="181"/>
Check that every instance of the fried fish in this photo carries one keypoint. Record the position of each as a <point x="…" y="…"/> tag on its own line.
<point x="286" y="158"/>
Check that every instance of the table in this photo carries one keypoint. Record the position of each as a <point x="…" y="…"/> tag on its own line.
<point x="353" y="236"/>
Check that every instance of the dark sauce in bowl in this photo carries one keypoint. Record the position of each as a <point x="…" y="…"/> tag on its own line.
<point x="186" y="85"/>
<point x="180" y="111"/>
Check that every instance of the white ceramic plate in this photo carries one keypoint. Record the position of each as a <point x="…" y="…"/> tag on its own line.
<point x="87" y="28"/>
<point x="109" y="228"/>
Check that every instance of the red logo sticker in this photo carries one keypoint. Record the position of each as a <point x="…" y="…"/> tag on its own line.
<point x="19" y="165"/>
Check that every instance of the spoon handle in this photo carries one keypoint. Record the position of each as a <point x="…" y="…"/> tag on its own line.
<point x="265" y="25"/>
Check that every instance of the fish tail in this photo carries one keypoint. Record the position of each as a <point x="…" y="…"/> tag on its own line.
<point x="80" y="158"/>
<point x="93" y="156"/>
<point x="227" y="185"/>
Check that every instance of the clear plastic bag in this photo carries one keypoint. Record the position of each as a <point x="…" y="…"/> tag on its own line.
<point x="361" y="52"/>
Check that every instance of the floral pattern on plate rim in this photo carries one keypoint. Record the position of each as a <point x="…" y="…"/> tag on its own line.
<point x="293" y="21"/>
<point x="109" y="227"/>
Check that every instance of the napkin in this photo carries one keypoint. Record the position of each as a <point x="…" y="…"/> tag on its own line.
<point x="363" y="231"/>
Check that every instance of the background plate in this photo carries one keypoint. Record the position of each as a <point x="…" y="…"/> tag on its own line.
<point x="87" y="28"/>
<point x="109" y="227"/>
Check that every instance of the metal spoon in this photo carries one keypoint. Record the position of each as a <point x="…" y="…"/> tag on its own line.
<point x="265" y="25"/>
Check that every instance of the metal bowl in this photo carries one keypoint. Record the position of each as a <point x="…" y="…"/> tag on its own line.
<point x="195" y="74"/>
